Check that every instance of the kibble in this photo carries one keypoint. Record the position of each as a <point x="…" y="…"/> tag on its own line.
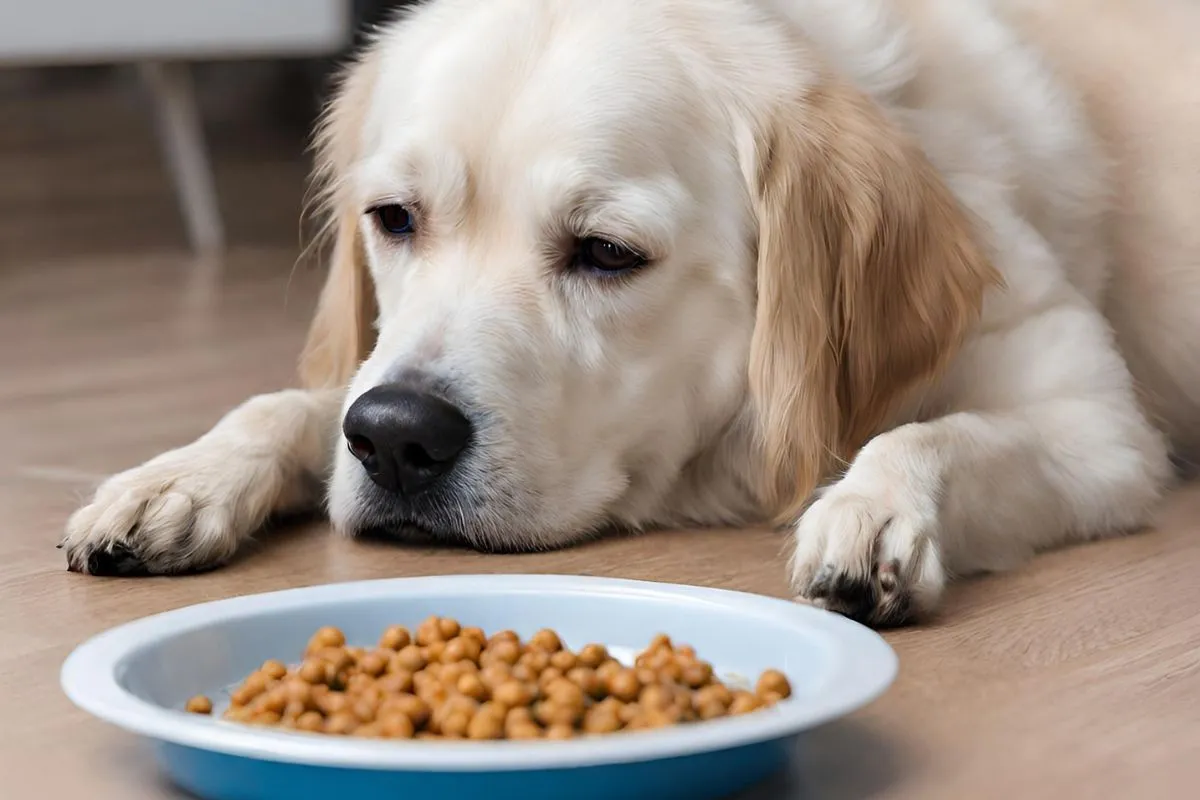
<point x="200" y="705"/>
<point x="442" y="680"/>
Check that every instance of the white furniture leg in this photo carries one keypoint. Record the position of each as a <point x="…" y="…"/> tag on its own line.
<point x="182" y="138"/>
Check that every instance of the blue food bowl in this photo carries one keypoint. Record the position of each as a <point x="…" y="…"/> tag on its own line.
<point x="139" y="676"/>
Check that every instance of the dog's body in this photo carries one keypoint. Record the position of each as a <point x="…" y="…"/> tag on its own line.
<point x="654" y="262"/>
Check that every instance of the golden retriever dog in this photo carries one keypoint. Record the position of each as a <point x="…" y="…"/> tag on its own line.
<point x="918" y="280"/>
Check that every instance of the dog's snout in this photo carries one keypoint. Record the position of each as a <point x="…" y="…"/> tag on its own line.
<point x="405" y="438"/>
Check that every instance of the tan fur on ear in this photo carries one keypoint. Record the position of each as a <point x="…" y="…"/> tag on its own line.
<point x="869" y="277"/>
<point x="342" y="332"/>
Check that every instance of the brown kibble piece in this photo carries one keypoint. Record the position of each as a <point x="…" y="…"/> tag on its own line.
<point x="410" y="705"/>
<point x="492" y="708"/>
<point x="326" y="637"/>
<point x="471" y="686"/>
<point x="505" y="636"/>
<point x="238" y="714"/>
<point x="609" y="667"/>
<point x="274" y="700"/>
<point x="433" y="651"/>
<point x="396" y="682"/>
<point x="658" y="697"/>
<point x="312" y="671"/>
<point x="715" y="692"/>
<point x="337" y="658"/>
<point x="495" y="674"/>
<point x="518" y="715"/>
<point x="505" y="650"/>
<point x="601" y="719"/>
<point x="275" y="670"/>
<point x="456" y="724"/>
<point x="449" y="628"/>
<point x="550" y="675"/>
<point x="659" y="718"/>
<point x="537" y="660"/>
<point x="624" y="685"/>
<point x="365" y="710"/>
<point x="266" y="718"/>
<point x="410" y="658"/>
<point x="434" y="694"/>
<point x="333" y="702"/>
<point x="485" y="726"/>
<point x="452" y="705"/>
<point x="310" y="721"/>
<point x="587" y="680"/>
<point x="593" y="655"/>
<point x="199" y="705"/>
<point x="472" y="632"/>
<point x="546" y="640"/>
<point x="697" y="674"/>
<point x="429" y="631"/>
<point x="461" y="648"/>
<point x="550" y="713"/>
<point x="744" y="703"/>
<point x="564" y="661"/>
<point x="773" y="681"/>
<point x="342" y="723"/>
<point x="373" y="664"/>
<point x="565" y="693"/>
<point x="646" y="676"/>
<point x="396" y="726"/>
<point x="525" y="673"/>
<point x="560" y="732"/>
<point x="298" y="691"/>
<point x="525" y="730"/>
<point x="672" y="671"/>
<point x="449" y="674"/>
<point x="256" y="683"/>
<point x="513" y="693"/>
<point x="358" y="683"/>
<point x="395" y="638"/>
<point x="293" y="710"/>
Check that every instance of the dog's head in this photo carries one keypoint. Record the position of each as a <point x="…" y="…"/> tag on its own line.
<point x="604" y="266"/>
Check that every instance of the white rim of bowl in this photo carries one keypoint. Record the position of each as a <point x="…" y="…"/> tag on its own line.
<point x="866" y="666"/>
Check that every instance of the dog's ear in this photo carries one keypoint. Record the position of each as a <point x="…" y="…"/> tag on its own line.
<point x="342" y="333"/>
<point x="869" y="276"/>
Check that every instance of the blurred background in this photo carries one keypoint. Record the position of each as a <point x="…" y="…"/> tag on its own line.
<point x="153" y="165"/>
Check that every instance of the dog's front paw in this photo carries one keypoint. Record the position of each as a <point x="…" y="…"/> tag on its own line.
<point x="869" y="549"/>
<point x="178" y="513"/>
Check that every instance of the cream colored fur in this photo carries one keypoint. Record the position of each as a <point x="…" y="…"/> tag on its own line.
<point x="924" y="285"/>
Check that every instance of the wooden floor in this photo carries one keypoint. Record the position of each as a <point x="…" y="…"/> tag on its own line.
<point x="1078" y="676"/>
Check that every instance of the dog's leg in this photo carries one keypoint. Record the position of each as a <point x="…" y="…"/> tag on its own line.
<point x="1047" y="445"/>
<point x="191" y="508"/>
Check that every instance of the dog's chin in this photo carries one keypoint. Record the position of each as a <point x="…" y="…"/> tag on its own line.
<point x="417" y="534"/>
<point x="446" y="524"/>
<point x="457" y="519"/>
<point x="456" y="530"/>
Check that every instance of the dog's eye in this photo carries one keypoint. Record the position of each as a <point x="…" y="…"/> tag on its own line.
<point x="605" y="255"/>
<point x="395" y="219"/>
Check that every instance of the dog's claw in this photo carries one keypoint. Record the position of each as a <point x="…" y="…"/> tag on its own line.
<point x="116" y="560"/>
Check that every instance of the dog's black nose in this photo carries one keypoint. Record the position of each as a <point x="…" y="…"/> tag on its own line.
<point x="405" y="438"/>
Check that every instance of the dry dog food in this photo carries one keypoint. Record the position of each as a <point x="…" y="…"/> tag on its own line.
<point x="445" y="681"/>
